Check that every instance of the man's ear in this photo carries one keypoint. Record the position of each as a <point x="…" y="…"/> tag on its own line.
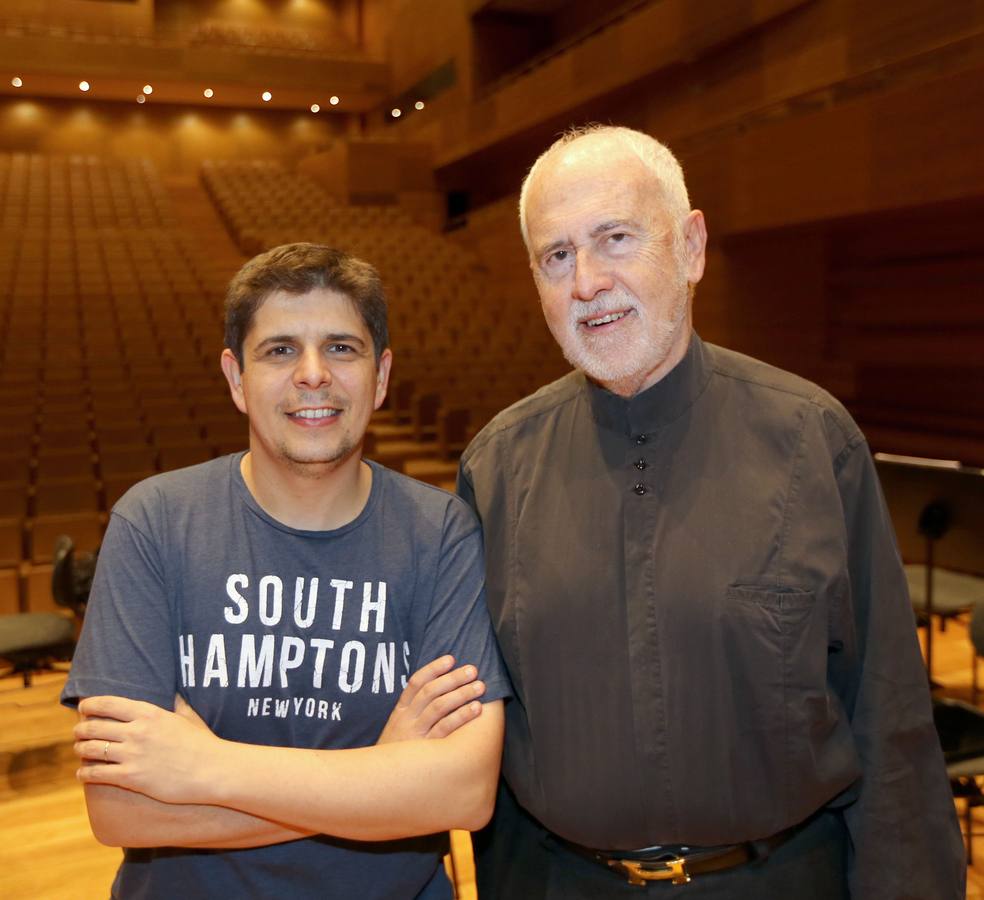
<point x="382" y="377"/>
<point x="695" y="241"/>
<point x="234" y="375"/>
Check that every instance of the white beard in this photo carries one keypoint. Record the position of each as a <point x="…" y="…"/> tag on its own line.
<point x="637" y="348"/>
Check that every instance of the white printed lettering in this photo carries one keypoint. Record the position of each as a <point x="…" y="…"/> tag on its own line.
<point x="253" y="667"/>
<point x="186" y="653"/>
<point x="321" y="645"/>
<point x="215" y="662"/>
<point x="271" y="599"/>
<point x="351" y="671"/>
<point x="406" y="665"/>
<point x="238" y="615"/>
<point x="291" y="656"/>
<point x="340" y="588"/>
<point x="384" y="667"/>
<point x="306" y="620"/>
<point x="377" y="606"/>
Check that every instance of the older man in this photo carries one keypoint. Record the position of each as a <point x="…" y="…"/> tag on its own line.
<point x="286" y="594"/>
<point x="696" y="589"/>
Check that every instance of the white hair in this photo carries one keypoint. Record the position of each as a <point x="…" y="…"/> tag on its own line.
<point x="655" y="156"/>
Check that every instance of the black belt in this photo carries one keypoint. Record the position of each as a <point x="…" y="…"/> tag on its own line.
<point x="678" y="863"/>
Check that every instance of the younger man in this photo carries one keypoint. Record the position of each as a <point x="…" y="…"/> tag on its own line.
<point x="286" y="594"/>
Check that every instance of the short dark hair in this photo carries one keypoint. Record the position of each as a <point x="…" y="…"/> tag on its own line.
<point x="298" y="269"/>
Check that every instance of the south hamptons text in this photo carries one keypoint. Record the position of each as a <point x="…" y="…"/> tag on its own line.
<point x="350" y="659"/>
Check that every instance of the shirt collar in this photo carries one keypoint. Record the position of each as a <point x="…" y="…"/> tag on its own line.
<point x="658" y="405"/>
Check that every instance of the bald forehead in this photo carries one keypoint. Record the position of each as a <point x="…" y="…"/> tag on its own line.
<point x="594" y="156"/>
<point x="591" y="181"/>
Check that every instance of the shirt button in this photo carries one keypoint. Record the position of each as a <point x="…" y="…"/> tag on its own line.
<point x="640" y="439"/>
<point x="640" y="488"/>
<point x="640" y="464"/>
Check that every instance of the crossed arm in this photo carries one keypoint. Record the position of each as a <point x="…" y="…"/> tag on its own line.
<point x="168" y="781"/>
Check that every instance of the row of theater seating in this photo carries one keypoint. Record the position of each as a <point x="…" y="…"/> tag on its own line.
<point x="79" y="191"/>
<point x="111" y="330"/>
<point x="111" y="336"/>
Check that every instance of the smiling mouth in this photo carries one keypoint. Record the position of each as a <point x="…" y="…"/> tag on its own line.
<point x="606" y="319"/>
<point x="311" y="415"/>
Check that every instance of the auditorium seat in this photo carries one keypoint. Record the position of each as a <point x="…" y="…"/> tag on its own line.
<point x="123" y="459"/>
<point x="176" y="431"/>
<point x="14" y="497"/>
<point x="85" y="529"/>
<point x="9" y="591"/>
<point x="11" y="541"/>
<point x="15" y="463"/>
<point x="227" y="433"/>
<point x="119" y="430"/>
<point x="63" y="463"/>
<point x="54" y="496"/>
<point x="176" y="456"/>
<point x="59" y="435"/>
<point x="37" y="589"/>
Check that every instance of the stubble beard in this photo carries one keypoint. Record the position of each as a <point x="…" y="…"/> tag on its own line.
<point x="315" y="465"/>
<point x="317" y="461"/>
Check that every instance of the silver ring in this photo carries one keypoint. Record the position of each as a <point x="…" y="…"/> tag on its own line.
<point x="106" y="752"/>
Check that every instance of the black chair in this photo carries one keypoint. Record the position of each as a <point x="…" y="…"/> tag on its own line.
<point x="32" y="641"/>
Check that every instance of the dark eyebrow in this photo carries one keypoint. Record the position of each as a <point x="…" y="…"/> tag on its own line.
<point x="344" y="338"/>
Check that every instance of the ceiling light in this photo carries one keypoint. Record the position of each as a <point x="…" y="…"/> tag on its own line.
<point x="419" y="104"/>
<point x="148" y="90"/>
<point x="396" y="113"/>
<point x="333" y="101"/>
<point x="315" y="108"/>
<point x="267" y="96"/>
<point x="17" y="81"/>
<point x="83" y="86"/>
<point x="141" y="98"/>
<point x="208" y="92"/>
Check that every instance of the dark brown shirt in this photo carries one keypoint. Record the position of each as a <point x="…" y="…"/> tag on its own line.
<point x="698" y="595"/>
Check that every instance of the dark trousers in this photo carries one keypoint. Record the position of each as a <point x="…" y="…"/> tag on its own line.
<point x="517" y="859"/>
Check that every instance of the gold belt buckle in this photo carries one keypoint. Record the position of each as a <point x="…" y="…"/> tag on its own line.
<point x="674" y="870"/>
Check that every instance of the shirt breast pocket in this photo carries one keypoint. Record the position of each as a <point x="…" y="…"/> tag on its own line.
<point x="775" y="646"/>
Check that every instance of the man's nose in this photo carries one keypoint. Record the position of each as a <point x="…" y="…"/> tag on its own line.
<point x="591" y="276"/>
<point x="312" y="369"/>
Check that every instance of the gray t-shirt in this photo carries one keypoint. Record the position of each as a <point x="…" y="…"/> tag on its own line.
<point x="287" y="638"/>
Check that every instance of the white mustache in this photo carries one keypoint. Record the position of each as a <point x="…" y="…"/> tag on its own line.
<point x="612" y="302"/>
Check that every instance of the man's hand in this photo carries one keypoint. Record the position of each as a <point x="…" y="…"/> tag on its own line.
<point x="436" y="702"/>
<point x="152" y="751"/>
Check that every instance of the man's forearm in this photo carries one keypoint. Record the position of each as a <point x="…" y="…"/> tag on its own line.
<point x="387" y="791"/>
<point x="373" y="793"/>
<point x="124" y="818"/>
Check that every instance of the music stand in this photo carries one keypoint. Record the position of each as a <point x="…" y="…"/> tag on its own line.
<point x="937" y="507"/>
